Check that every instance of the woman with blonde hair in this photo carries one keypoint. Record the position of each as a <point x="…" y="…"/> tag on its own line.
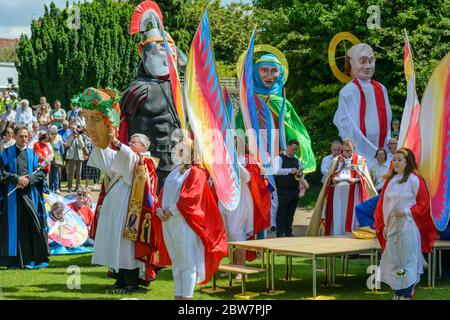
<point x="43" y="117"/>
<point x="193" y="230"/>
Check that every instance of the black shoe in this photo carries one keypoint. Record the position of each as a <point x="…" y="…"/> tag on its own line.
<point x="291" y="235"/>
<point x="280" y="235"/>
<point x="130" y="289"/>
<point x="14" y="268"/>
<point x="114" y="287"/>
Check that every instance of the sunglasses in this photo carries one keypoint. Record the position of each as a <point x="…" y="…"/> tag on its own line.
<point x="82" y="194"/>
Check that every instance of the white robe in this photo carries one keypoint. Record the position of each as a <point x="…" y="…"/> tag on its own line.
<point x="346" y="119"/>
<point x="403" y="245"/>
<point x="184" y="246"/>
<point x="340" y="200"/>
<point x="377" y="172"/>
<point x="110" y="248"/>
<point x="239" y="222"/>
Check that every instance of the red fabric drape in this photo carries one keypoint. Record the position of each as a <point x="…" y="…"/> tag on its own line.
<point x="199" y="209"/>
<point x="381" y="110"/>
<point x="261" y="202"/>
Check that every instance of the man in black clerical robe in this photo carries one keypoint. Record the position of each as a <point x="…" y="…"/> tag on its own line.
<point x="23" y="219"/>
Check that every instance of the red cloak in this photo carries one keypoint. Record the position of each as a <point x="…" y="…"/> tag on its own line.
<point x="261" y="202"/>
<point x="149" y="248"/>
<point x="199" y="209"/>
<point x="421" y="213"/>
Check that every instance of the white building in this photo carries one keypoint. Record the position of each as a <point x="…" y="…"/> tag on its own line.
<point x="8" y="76"/>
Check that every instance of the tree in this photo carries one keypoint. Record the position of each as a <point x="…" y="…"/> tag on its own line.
<point x="303" y="30"/>
<point x="60" y="60"/>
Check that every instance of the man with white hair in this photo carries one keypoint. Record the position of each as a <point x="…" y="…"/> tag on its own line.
<point x="140" y="143"/>
<point x="364" y="114"/>
<point x="24" y="114"/>
<point x="392" y="146"/>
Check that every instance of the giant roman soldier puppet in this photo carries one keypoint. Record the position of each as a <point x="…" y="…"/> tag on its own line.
<point x="147" y="105"/>
<point x="363" y="114"/>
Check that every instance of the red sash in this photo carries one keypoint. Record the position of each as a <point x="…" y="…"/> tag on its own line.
<point x="381" y="110"/>
<point x="350" y="202"/>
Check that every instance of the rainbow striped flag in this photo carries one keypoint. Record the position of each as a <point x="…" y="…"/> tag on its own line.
<point x="256" y="114"/>
<point x="281" y="128"/>
<point x="434" y="121"/>
<point x="230" y="111"/>
<point x="208" y="118"/>
<point x="409" y="130"/>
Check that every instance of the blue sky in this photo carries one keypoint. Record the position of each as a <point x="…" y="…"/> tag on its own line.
<point x="16" y="15"/>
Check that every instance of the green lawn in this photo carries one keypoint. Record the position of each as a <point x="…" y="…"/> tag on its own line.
<point x="51" y="283"/>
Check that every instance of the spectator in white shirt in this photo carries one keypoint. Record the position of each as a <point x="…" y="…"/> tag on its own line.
<point x="8" y="117"/>
<point x="380" y="169"/>
<point x="336" y="149"/>
<point x="24" y="114"/>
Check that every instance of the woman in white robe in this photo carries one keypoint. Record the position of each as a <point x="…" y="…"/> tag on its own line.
<point x="404" y="226"/>
<point x="193" y="230"/>
<point x="183" y="244"/>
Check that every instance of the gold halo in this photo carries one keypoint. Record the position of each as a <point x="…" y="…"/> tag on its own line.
<point x="270" y="49"/>
<point x="338" y="38"/>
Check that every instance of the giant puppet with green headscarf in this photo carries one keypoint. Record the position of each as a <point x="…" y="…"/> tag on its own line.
<point x="270" y="73"/>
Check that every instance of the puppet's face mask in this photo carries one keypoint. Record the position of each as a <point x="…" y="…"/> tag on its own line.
<point x="268" y="75"/>
<point x="155" y="60"/>
<point x="362" y="60"/>
<point x="98" y="130"/>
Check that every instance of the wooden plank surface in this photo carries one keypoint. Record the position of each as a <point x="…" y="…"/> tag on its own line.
<point x="240" y="269"/>
<point x="318" y="246"/>
<point x="442" y="244"/>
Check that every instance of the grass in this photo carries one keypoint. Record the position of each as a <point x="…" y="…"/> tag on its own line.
<point x="51" y="283"/>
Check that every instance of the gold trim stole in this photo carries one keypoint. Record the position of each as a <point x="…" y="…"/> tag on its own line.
<point x="135" y="205"/>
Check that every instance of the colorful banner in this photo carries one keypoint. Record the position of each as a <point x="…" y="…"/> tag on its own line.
<point x="208" y="118"/>
<point x="434" y="120"/>
<point x="409" y="130"/>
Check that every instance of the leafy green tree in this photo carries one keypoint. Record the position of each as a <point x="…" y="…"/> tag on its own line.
<point x="303" y="30"/>
<point x="60" y="60"/>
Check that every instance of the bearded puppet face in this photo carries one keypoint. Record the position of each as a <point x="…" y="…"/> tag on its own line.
<point x="362" y="61"/>
<point x="98" y="130"/>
